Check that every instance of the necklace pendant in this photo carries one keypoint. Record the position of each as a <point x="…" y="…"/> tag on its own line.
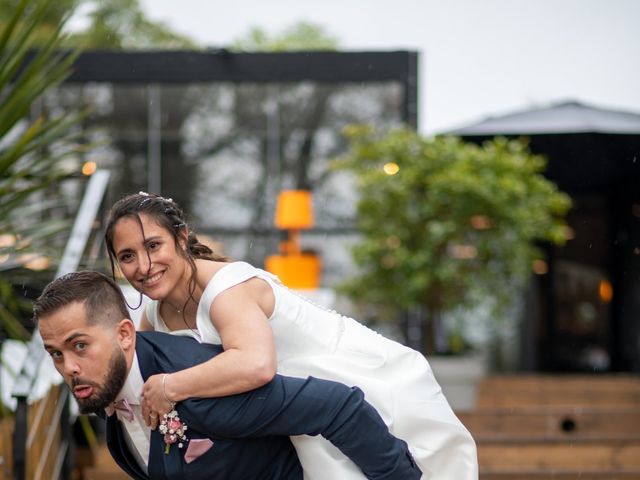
<point x="178" y="310"/>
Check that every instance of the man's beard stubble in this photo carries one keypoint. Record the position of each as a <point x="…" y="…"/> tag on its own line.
<point x="106" y="394"/>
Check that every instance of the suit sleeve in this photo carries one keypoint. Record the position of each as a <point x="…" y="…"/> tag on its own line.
<point x="294" y="406"/>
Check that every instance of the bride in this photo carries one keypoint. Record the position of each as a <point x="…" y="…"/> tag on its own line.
<point x="266" y="328"/>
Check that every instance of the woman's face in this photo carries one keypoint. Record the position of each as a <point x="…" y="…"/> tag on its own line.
<point x="133" y="250"/>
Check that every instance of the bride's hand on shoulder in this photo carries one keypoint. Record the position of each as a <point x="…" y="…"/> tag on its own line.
<point x="154" y="403"/>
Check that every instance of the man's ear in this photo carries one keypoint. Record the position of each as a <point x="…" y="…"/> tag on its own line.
<point x="126" y="334"/>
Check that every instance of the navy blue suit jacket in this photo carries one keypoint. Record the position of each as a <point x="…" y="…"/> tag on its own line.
<point x="250" y="431"/>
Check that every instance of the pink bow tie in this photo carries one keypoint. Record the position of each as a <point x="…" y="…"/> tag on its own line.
<point x="124" y="408"/>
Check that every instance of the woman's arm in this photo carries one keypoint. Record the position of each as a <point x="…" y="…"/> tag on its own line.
<point x="249" y="357"/>
<point x="248" y="360"/>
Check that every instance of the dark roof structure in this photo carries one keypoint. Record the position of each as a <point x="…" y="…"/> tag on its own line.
<point x="589" y="148"/>
<point x="567" y="117"/>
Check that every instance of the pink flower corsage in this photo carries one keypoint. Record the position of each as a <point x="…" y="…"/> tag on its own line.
<point x="173" y="430"/>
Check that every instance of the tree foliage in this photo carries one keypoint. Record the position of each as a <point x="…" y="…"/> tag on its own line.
<point x="454" y="218"/>
<point x="122" y="24"/>
<point x="298" y="36"/>
<point x="49" y="21"/>
<point x="110" y="24"/>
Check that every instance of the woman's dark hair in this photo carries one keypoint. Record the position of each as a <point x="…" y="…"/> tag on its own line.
<point x="168" y="214"/>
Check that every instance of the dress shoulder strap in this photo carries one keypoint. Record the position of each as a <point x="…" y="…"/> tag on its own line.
<point x="153" y="316"/>
<point x="151" y="312"/>
<point x="229" y="276"/>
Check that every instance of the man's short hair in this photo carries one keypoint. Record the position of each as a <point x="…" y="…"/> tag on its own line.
<point x="102" y="298"/>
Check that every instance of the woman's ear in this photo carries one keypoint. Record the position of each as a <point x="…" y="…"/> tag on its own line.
<point x="183" y="239"/>
<point x="126" y="334"/>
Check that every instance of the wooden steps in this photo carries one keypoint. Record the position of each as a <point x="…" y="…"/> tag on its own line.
<point x="583" y="456"/>
<point x="552" y="423"/>
<point x="104" y="467"/>
<point x="621" y="391"/>
<point x="530" y="427"/>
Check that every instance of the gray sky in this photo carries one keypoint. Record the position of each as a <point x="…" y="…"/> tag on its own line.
<point x="477" y="58"/>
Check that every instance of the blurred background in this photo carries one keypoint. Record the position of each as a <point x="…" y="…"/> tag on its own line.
<point x="492" y="223"/>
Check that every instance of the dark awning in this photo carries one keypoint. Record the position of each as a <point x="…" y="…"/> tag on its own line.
<point x="589" y="148"/>
<point x="569" y="117"/>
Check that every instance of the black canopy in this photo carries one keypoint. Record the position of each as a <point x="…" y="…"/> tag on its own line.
<point x="589" y="148"/>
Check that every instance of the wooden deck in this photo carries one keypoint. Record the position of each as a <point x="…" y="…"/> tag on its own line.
<point x="561" y="427"/>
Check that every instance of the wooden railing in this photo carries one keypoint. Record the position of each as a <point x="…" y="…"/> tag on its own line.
<point x="562" y="427"/>
<point x="42" y="432"/>
<point x="49" y="436"/>
<point x="6" y="448"/>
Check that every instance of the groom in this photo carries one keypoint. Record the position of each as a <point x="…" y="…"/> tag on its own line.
<point x="83" y="321"/>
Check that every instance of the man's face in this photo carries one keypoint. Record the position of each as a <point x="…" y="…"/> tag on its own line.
<point x="89" y="357"/>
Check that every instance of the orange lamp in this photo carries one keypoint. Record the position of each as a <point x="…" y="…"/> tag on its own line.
<point x="296" y="269"/>
<point x="294" y="210"/>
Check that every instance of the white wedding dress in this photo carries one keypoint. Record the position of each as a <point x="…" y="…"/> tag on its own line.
<point x="398" y="381"/>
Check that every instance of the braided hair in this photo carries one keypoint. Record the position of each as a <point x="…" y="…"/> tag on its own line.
<point x="168" y="214"/>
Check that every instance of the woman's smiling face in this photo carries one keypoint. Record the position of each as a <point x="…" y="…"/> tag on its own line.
<point x="148" y="256"/>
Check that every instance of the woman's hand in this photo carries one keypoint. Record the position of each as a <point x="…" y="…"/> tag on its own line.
<point x="155" y="403"/>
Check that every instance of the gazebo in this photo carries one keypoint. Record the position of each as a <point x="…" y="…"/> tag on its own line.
<point x="583" y="312"/>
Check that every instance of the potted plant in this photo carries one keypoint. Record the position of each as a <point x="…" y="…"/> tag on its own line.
<point x="444" y="222"/>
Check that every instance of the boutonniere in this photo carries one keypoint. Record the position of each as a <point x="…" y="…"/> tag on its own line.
<point x="173" y="430"/>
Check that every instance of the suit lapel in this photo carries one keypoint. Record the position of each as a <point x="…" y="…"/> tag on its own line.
<point x="146" y="358"/>
<point x="161" y="465"/>
<point x="119" y="450"/>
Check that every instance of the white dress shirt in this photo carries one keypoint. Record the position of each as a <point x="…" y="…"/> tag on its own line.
<point x="136" y="432"/>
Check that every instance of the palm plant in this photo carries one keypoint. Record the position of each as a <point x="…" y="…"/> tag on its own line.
<point x="33" y="145"/>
